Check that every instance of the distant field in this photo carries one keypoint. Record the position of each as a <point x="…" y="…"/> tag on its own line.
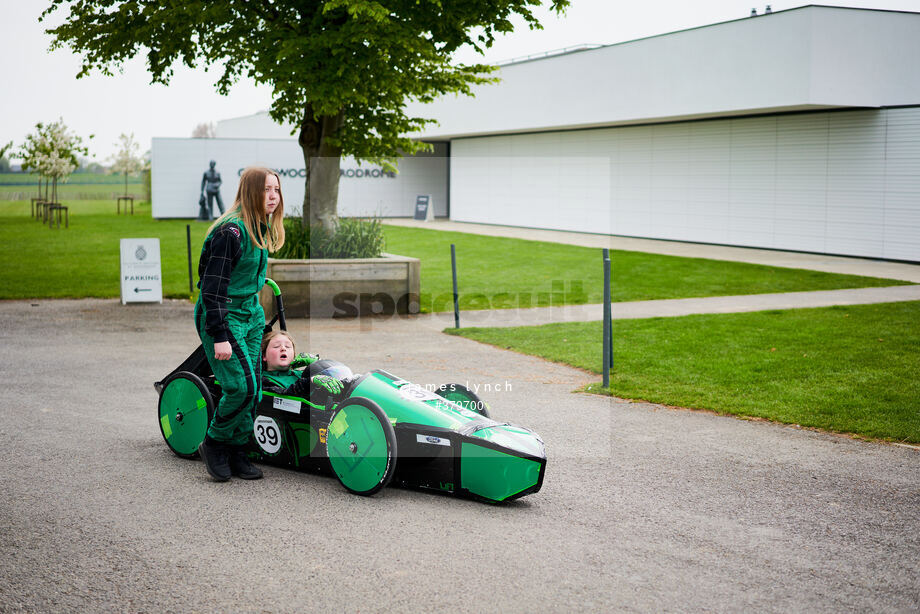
<point x="84" y="178"/>
<point x="80" y="186"/>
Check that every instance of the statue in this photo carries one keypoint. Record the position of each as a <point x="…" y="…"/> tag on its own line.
<point x="210" y="188"/>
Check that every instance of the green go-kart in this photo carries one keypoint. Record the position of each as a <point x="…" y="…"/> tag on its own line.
<point x="379" y="429"/>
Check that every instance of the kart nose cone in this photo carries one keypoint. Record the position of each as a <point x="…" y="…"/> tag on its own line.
<point x="514" y="438"/>
<point x="510" y="465"/>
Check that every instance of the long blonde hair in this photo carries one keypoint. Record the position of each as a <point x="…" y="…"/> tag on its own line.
<point x="249" y="205"/>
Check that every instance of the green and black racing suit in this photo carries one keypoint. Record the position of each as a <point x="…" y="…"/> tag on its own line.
<point x="231" y="273"/>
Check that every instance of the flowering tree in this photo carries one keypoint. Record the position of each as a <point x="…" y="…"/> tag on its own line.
<point x="204" y="131"/>
<point x="31" y="154"/>
<point x="52" y="151"/>
<point x="128" y="158"/>
<point x="4" y="163"/>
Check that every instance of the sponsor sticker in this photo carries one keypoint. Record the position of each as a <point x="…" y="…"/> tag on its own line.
<point x="286" y="405"/>
<point x="431" y="439"/>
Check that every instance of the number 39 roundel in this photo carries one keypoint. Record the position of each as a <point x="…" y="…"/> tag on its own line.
<point x="267" y="434"/>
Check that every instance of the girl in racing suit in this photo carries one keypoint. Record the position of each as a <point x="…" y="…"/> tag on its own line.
<point x="229" y="318"/>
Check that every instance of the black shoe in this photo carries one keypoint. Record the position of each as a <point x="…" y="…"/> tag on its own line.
<point x="241" y="467"/>
<point x="215" y="456"/>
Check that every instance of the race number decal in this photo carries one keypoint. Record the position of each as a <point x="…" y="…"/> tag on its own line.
<point x="267" y="434"/>
<point x="414" y="392"/>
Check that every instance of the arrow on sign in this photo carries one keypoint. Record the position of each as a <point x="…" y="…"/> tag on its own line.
<point x="143" y="289"/>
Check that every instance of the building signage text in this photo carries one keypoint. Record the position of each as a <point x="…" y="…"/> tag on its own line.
<point x="357" y="173"/>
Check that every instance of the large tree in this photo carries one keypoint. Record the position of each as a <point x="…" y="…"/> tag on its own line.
<point x="341" y="70"/>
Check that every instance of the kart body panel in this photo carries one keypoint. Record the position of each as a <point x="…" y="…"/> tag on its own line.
<point x="442" y="446"/>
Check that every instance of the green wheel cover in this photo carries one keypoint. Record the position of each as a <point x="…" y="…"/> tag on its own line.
<point x="183" y="413"/>
<point x="361" y="445"/>
<point x="464" y="397"/>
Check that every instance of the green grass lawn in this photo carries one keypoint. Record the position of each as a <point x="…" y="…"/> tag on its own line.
<point x="848" y="369"/>
<point x="497" y="272"/>
<point x="83" y="260"/>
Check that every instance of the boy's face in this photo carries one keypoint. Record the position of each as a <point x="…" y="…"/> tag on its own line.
<point x="279" y="353"/>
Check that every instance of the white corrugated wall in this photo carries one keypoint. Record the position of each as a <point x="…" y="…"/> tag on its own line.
<point x="842" y="182"/>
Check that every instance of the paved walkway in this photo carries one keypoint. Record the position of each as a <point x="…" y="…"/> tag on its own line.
<point x="793" y="260"/>
<point x="674" y="307"/>
<point x="686" y="306"/>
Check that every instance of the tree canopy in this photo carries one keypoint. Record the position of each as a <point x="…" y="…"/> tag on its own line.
<point x="341" y="70"/>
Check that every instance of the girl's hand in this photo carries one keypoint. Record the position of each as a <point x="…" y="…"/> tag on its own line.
<point x="222" y="350"/>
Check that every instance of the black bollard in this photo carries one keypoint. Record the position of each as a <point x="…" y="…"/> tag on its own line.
<point x="188" y="248"/>
<point x="453" y="267"/>
<point x="607" y="340"/>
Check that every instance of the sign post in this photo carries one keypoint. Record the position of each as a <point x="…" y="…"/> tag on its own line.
<point x="141" y="280"/>
<point x="423" y="208"/>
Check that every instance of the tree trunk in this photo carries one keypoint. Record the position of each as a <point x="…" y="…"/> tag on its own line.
<point x="126" y="184"/>
<point x="321" y="161"/>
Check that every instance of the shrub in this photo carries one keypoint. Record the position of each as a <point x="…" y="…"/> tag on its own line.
<point x="352" y="238"/>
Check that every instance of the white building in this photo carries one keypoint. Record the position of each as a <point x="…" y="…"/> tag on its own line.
<point x="177" y="166"/>
<point x="796" y="130"/>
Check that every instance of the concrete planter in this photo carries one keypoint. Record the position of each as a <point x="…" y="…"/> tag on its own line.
<point x="342" y="288"/>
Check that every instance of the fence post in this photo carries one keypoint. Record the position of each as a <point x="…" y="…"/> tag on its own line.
<point x="610" y="310"/>
<point x="188" y="249"/>
<point x="607" y="339"/>
<point x="453" y="268"/>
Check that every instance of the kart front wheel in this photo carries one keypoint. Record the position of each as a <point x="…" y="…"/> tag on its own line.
<point x="361" y="445"/>
<point x="185" y="409"/>
<point x="464" y="397"/>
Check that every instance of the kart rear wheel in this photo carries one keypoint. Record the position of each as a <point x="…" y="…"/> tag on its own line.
<point x="464" y="397"/>
<point x="185" y="409"/>
<point x="361" y="445"/>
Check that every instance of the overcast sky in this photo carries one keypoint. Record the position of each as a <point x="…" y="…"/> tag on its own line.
<point x="39" y="85"/>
